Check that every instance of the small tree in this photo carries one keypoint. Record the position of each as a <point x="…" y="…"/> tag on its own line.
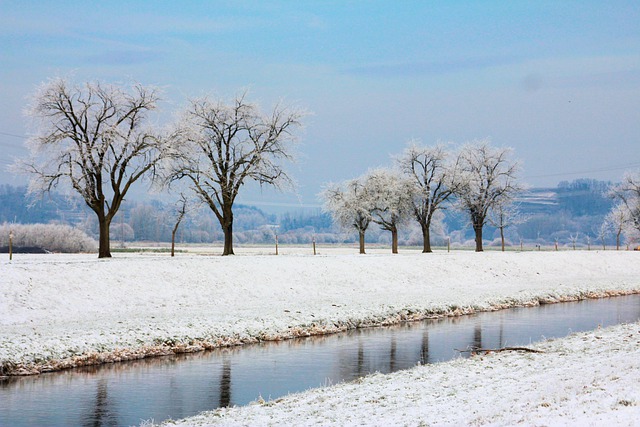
<point x="180" y="208"/>
<point x="574" y="239"/>
<point x="350" y="206"/>
<point x="429" y="171"/>
<point x="225" y="145"/>
<point x="95" y="139"/>
<point x="617" y="220"/>
<point x="485" y="178"/>
<point x="391" y="198"/>
<point x="505" y="214"/>
<point x="601" y="233"/>
<point x="628" y="194"/>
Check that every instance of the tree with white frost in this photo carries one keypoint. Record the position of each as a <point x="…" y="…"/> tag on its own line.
<point x="391" y="200"/>
<point x="428" y="169"/>
<point x="485" y="178"/>
<point x="96" y="139"/>
<point x="628" y="194"/>
<point x="350" y="206"/>
<point x="225" y="145"/>
<point x="618" y="221"/>
<point x="505" y="214"/>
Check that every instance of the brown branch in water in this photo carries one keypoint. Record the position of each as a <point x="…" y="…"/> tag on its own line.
<point x="476" y="350"/>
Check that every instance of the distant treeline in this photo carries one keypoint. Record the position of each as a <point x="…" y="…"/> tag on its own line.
<point x="576" y="207"/>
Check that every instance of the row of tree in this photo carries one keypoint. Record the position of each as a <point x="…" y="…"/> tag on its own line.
<point x="98" y="139"/>
<point x="479" y="179"/>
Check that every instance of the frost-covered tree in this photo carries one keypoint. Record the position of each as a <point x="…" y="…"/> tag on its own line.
<point x="180" y="209"/>
<point x="485" y="177"/>
<point x="225" y="145"/>
<point x="428" y="169"/>
<point x="628" y="194"/>
<point x="391" y="200"/>
<point x="94" y="138"/>
<point x="50" y="237"/>
<point x="505" y="214"/>
<point x="618" y="221"/>
<point x="349" y="204"/>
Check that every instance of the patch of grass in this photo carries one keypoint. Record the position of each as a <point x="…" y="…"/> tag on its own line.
<point x="150" y="250"/>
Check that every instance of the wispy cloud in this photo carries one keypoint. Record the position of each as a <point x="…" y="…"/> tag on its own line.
<point x="431" y="68"/>
<point x="124" y="57"/>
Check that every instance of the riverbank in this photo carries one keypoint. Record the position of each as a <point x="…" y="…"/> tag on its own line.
<point x="587" y="379"/>
<point x="59" y="311"/>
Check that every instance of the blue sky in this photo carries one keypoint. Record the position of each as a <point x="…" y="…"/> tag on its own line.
<point x="559" y="81"/>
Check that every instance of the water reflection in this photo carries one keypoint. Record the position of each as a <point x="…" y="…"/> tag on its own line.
<point x="179" y="386"/>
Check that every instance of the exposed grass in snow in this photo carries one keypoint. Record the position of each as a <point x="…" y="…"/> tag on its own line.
<point x="587" y="379"/>
<point x="60" y="311"/>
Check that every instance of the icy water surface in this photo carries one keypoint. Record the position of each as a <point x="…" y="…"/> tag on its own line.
<point x="179" y="386"/>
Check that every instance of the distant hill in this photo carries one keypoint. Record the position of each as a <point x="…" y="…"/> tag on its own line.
<point x="553" y="213"/>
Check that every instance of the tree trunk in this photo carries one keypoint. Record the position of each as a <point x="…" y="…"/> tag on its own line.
<point x="618" y="241"/>
<point x="502" y="237"/>
<point x="226" y="222"/>
<point x="394" y="240"/>
<point x="478" y="231"/>
<point x="173" y="241"/>
<point x="426" y="238"/>
<point x="228" y="239"/>
<point x="104" y="249"/>
<point x="361" y="238"/>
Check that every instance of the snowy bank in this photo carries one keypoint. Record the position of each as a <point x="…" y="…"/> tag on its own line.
<point x="59" y="311"/>
<point x="588" y="379"/>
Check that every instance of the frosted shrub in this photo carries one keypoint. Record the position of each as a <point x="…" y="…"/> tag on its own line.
<point x="51" y="237"/>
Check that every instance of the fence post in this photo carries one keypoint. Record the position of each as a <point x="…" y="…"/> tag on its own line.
<point x="10" y="245"/>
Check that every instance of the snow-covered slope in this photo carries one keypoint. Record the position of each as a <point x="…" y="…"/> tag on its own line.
<point x="67" y="310"/>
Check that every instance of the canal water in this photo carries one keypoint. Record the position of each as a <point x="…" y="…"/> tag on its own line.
<point x="179" y="386"/>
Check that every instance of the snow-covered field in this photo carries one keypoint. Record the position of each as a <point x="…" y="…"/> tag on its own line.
<point x="588" y="379"/>
<point x="58" y="311"/>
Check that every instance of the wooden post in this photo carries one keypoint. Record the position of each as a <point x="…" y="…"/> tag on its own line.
<point x="276" y="244"/>
<point x="448" y="243"/>
<point x="520" y="245"/>
<point x="556" y="245"/>
<point x="10" y="245"/>
<point x="314" y="244"/>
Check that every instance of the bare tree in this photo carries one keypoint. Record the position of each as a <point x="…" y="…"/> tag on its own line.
<point x="628" y="193"/>
<point x="95" y="138"/>
<point x="505" y="214"/>
<point x="180" y="212"/>
<point x="223" y="146"/>
<point x="574" y="239"/>
<point x="391" y="198"/>
<point x="485" y="178"/>
<point x="601" y="233"/>
<point x="350" y="206"/>
<point x="618" y="221"/>
<point x="428" y="169"/>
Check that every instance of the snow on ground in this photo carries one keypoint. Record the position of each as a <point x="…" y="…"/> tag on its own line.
<point x="588" y="379"/>
<point x="58" y="311"/>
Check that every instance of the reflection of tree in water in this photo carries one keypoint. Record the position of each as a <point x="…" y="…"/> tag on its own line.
<point x="360" y="370"/>
<point x="477" y="336"/>
<point x="176" y="402"/>
<point x="103" y="414"/>
<point x="424" y="348"/>
<point x="225" y="383"/>
<point x="392" y="354"/>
